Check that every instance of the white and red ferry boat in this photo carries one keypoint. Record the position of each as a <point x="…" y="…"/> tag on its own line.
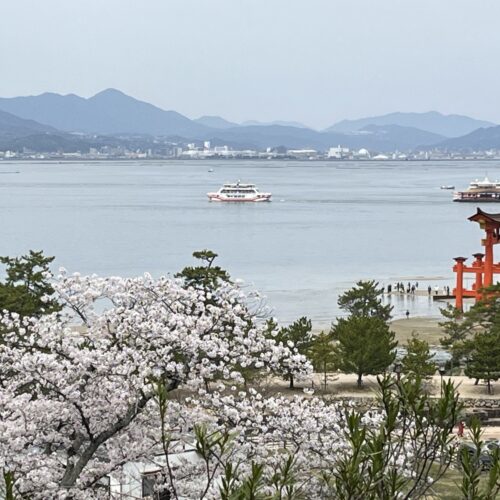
<point x="239" y="192"/>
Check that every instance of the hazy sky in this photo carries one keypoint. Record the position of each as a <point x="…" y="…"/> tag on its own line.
<point x="315" y="61"/>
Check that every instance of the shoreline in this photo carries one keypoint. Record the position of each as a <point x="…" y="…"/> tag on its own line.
<point x="426" y="327"/>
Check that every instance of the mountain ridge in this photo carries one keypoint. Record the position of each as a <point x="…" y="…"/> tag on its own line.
<point x="113" y="113"/>
<point x="481" y="139"/>
<point x="452" y="125"/>
<point x="107" y="112"/>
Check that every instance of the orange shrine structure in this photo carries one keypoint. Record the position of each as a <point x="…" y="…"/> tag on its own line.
<point x="483" y="266"/>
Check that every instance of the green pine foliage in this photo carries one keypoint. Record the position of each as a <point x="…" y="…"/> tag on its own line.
<point x="364" y="343"/>
<point x="207" y="275"/>
<point x="322" y="354"/>
<point x="484" y="357"/>
<point x="474" y="336"/>
<point x="365" y="300"/>
<point x="418" y="360"/>
<point x="364" y="346"/>
<point x="26" y="289"/>
<point x="456" y="327"/>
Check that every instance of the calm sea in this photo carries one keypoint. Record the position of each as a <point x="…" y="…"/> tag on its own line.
<point x="329" y="224"/>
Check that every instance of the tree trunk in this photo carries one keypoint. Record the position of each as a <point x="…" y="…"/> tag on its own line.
<point x="360" y="380"/>
<point x="291" y="382"/>
<point x="324" y="370"/>
<point x="9" y="485"/>
<point x="73" y="471"/>
<point x="489" y="386"/>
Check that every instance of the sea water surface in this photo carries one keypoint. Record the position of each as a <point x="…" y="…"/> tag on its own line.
<point x="329" y="224"/>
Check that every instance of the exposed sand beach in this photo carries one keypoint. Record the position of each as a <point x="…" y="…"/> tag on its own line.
<point x="428" y="329"/>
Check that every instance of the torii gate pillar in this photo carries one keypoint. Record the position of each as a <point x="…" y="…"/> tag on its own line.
<point x="459" y="288"/>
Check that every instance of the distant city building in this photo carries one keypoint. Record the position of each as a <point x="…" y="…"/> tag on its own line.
<point x="363" y="153"/>
<point x="338" y="152"/>
<point x="303" y="153"/>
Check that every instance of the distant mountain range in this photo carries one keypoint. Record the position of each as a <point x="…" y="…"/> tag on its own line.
<point x="432" y="121"/>
<point x="275" y="122"/>
<point x="108" y="112"/>
<point x="14" y="126"/>
<point x="111" y="117"/>
<point x="16" y="133"/>
<point x="479" y="140"/>
<point x="215" y="122"/>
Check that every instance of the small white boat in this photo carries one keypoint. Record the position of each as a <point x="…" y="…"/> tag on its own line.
<point x="448" y="187"/>
<point x="210" y="169"/>
<point x="239" y="192"/>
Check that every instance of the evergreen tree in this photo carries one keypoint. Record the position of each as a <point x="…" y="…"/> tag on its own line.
<point x="322" y="354"/>
<point x="271" y="326"/>
<point x="462" y="330"/>
<point x="297" y="336"/>
<point x="456" y="327"/>
<point x="206" y="275"/>
<point x="365" y="300"/>
<point x="418" y="360"/>
<point x="26" y="289"/>
<point x="484" y="357"/>
<point x="365" y="345"/>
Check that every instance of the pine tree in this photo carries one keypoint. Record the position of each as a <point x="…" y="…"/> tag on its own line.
<point x="484" y="357"/>
<point x="365" y="300"/>
<point x="26" y="289"/>
<point x="456" y="327"/>
<point x="322" y="354"/>
<point x="462" y="329"/>
<point x="206" y="275"/>
<point x="418" y="359"/>
<point x="365" y="345"/>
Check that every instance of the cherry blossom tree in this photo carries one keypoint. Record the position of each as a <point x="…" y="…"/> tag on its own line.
<point x="78" y="388"/>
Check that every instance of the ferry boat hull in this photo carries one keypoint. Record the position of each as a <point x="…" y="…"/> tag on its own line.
<point x="257" y="199"/>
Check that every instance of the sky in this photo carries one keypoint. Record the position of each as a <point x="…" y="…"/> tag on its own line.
<point x="312" y="61"/>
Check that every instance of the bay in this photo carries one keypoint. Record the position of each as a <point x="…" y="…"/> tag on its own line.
<point x="329" y="224"/>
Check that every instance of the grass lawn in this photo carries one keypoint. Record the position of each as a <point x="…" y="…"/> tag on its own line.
<point x="448" y="487"/>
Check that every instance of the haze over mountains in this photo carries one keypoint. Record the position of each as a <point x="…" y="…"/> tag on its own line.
<point x="432" y="121"/>
<point x="113" y="114"/>
<point x="108" y="112"/>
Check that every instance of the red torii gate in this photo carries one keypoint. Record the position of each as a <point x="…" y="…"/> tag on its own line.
<point x="483" y="266"/>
